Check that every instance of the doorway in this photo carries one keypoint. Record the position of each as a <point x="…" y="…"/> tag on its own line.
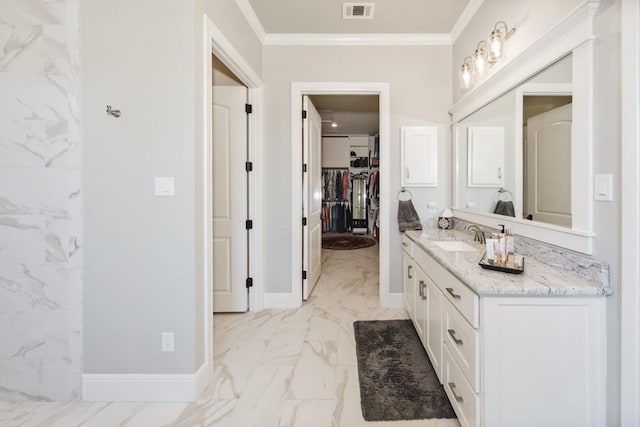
<point x="230" y="191"/>
<point x="299" y="90"/>
<point x="340" y="182"/>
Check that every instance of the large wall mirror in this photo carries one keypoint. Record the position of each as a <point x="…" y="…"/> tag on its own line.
<point x="522" y="142"/>
<point x="514" y="154"/>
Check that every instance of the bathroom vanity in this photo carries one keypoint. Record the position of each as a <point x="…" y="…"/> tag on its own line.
<point x="525" y="350"/>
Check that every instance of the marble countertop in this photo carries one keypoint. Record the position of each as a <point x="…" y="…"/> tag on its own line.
<point x="537" y="278"/>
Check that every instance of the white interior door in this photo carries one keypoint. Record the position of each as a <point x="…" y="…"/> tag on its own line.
<point x="312" y="197"/>
<point x="548" y="185"/>
<point x="229" y="199"/>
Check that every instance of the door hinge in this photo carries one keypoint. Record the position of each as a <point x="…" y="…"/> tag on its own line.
<point x="248" y="166"/>
<point x="304" y="274"/>
<point x="248" y="224"/>
<point x="248" y="108"/>
<point x="249" y="282"/>
<point x="304" y="114"/>
<point x="304" y="221"/>
<point x="304" y="167"/>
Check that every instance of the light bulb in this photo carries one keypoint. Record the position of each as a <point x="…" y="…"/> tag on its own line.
<point x="334" y="124"/>
<point x="465" y="76"/>
<point x="479" y="61"/>
<point x="495" y="45"/>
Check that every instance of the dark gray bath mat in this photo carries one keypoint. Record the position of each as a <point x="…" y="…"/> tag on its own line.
<point x="397" y="381"/>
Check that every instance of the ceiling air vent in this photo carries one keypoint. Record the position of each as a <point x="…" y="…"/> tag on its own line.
<point x="357" y="10"/>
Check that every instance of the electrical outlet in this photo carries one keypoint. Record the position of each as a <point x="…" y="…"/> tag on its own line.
<point x="167" y="341"/>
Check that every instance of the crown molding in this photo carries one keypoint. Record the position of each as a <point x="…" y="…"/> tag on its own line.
<point x="297" y="39"/>
<point x="464" y="19"/>
<point x="253" y="20"/>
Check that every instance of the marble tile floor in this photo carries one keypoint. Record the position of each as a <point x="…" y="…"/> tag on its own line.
<point x="280" y="368"/>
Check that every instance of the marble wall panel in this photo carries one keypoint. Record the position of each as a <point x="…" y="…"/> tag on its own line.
<point x="40" y="201"/>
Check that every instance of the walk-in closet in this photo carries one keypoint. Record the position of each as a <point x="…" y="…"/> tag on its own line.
<point x="350" y="162"/>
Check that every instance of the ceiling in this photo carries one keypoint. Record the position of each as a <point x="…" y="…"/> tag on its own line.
<point x="390" y="16"/>
<point x="354" y="114"/>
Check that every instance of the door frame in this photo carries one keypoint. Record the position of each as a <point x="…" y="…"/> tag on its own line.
<point x="216" y="43"/>
<point x="298" y="89"/>
<point x="630" y="215"/>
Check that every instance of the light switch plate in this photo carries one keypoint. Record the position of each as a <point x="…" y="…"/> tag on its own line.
<point x="164" y="186"/>
<point x="603" y="187"/>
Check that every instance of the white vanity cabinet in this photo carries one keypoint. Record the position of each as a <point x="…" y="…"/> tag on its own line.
<point x="507" y="360"/>
<point x="408" y="277"/>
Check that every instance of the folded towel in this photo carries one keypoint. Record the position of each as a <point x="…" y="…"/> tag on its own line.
<point x="505" y="207"/>
<point x="408" y="218"/>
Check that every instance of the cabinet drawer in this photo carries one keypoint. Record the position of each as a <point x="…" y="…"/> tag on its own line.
<point x="465" y="402"/>
<point x="463" y="343"/>
<point x="462" y="298"/>
<point x="407" y="245"/>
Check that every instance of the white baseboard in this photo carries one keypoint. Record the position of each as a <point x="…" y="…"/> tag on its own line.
<point x="280" y="300"/>
<point x="146" y="387"/>
<point x="393" y="300"/>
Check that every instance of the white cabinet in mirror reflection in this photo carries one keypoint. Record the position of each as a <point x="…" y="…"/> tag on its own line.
<point x="486" y="156"/>
<point x="419" y="156"/>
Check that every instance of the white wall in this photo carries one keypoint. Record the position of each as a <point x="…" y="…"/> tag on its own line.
<point x="41" y="242"/>
<point x="607" y="159"/>
<point x="420" y="83"/>
<point x="139" y="270"/>
<point x="534" y="19"/>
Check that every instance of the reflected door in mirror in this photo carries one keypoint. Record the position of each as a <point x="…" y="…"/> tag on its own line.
<point x="548" y="159"/>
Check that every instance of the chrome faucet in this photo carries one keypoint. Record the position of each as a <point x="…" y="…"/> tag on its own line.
<point x="478" y="234"/>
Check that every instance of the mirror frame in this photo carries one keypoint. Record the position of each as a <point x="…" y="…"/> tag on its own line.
<point x="574" y="34"/>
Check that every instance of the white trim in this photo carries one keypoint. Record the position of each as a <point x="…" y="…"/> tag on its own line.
<point x="630" y="208"/>
<point x="395" y="300"/>
<point x="146" y="387"/>
<point x="464" y="19"/>
<point x="252" y="19"/>
<point x="203" y="377"/>
<point x="279" y="300"/>
<point x="573" y="34"/>
<point x="299" y="39"/>
<point x="559" y="236"/>
<point x="298" y="89"/>
<point x="215" y="42"/>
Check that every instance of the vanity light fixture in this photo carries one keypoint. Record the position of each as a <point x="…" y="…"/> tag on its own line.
<point x="497" y="38"/>
<point x="487" y="53"/>
<point x="465" y="73"/>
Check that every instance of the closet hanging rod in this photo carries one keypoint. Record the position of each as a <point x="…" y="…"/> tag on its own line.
<point x="343" y="169"/>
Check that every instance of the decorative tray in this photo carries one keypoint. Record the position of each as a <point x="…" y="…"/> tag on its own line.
<point x="514" y="264"/>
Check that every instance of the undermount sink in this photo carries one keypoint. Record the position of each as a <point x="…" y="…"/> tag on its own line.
<point x="454" y="245"/>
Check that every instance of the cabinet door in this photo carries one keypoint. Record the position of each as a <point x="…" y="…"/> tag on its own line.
<point x="433" y="326"/>
<point x="485" y="156"/>
<point x="408" y="282"/>
<point x="419" y="156"/>
<point x="421" y="303"/>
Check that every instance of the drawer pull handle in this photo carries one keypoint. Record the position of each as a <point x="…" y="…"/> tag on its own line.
<point x="459" y="399"/>
<point x="423" y="287"/>
<point x="409" y="276"/>
<point x="450" y="290"/>
<point x="420" y="288"/>
<point x="452" y="334"/>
